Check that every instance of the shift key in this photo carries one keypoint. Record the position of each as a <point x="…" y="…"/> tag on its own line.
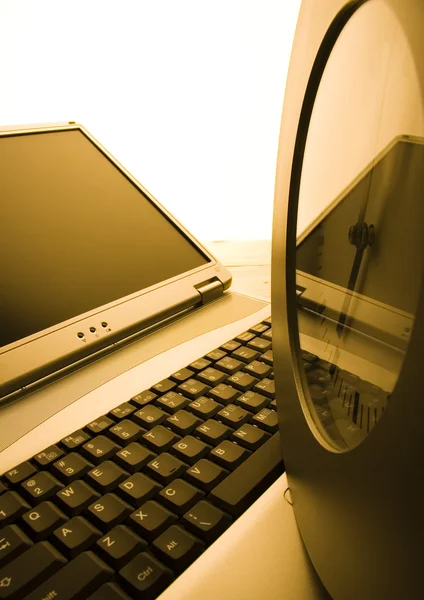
<point x="244" y="485"/>
<point x="29" y="570"/>
<point x="80" y="578"/>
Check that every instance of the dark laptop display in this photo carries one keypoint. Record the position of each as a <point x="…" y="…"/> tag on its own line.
<point x="88" y="257"/>
<point x="75" y="233"/>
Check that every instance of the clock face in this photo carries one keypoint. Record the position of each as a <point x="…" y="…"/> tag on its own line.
<point x="360" y="223"/>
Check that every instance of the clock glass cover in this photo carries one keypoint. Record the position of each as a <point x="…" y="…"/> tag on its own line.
<point x="360" y="221"/>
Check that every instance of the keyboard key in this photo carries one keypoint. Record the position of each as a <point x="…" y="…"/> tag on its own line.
<point x="252" y="401"/>
<point x="12" y="506"/>
<point x="138" y="489"/>
<point x="245" y="337"/>
<point x="200" y="364"/>
<point x="259" y="329"/>
<point x="212" y="376"/>
<point x="267" y="321"/>
<point x="192" y="388"/>
<point x="145" y="577"/>
<point x="205" y="474"/>
<point x="99" y="449"/>
<point x="151" y="519"/>
<point x="206" y="521"/>
<point x="190" y="449"/>
<point x="250" y="437"/>
<point x="223" y="393"/>
<point x="183" y="422"/>
<point x="259" y="343"/>
<point x="204" y="407"/>
<point x="266" y="419"/>
<point x="182" y="375"/>
<point x="244" y="485"/>
<point x="120" y="545"/>
<point x="172" y="402"/>
<point x="164" y="386"/>
<point x="75" y="498"/>
<point x="29" y="569"/>
<point x="122" y="411"/>
<point x="125" y="432"/>
<point x="233" y="416"/>
<point x="3" y="487"/>
<point x="319" y="376"/>
<point x="230" y="346"/>
<point x="229" y="455"/>
<point x="78" y="438"/>
<point x="13" y="542"/>
<point x="242" y="381"/>
<point x="212" y="432"/>
<point x="41" y="487"/>
<point x="308" y="356"/>
<point x="20" y="473"/>
<point x="149" y="416"/>
<point x="109" y="591"/>
<point x="268" y="357"/>
<point x="134" y="457"/>
<point x="99" y="425"/>
<point x="47" y="456"/>
<point x="245" y="354"/>
<point x="143" y="398"/>
<point x="106" y="477"/>
<point x="165" y="468"/>
<point x="229" y="365"/>
<point x="77" y="579"/>
<point x="177" y="548"/>
<point x="258" y="369"/>
<point x="179" y="496"/>
<point x="41" y="521"/>
<point x="266" y="387"/>
<point x="215" y="355"/>
<point x="75" y="536"/>
<point x="71" y="467"/>
<point x="159" y="439"/>
<point x="108" y="511"/>
<point x="267" y="335"/>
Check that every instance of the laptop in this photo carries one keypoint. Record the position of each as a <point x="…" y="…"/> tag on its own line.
<point x="139" y="445"/>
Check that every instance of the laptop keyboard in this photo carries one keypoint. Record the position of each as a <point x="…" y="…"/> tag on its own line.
<point x="121" y="507"/>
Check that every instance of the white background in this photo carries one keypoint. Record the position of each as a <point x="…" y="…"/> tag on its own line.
<point x="186" y="94"/>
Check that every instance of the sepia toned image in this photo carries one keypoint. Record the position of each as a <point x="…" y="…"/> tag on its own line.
<point x="211" y="307"/>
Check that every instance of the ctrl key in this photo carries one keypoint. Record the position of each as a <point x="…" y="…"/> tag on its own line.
<point x="145" y="577"/>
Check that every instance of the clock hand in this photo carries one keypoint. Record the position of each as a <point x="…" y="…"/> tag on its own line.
<point x="361" y="235"/>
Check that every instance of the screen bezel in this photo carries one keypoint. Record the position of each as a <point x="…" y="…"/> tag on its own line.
<point x="37" y="356"/>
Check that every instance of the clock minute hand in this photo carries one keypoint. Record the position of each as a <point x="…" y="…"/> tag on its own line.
<point x="361" y="235"/>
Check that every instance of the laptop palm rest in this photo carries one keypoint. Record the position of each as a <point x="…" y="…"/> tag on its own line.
<point x="44" y="403"/>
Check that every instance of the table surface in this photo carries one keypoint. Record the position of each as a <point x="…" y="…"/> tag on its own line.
<point x="249" y="263"/>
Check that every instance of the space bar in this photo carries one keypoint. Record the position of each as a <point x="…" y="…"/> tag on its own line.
<point x="244" y="485"/>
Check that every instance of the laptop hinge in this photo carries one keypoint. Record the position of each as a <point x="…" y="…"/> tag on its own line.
<point x="210" y="290"/>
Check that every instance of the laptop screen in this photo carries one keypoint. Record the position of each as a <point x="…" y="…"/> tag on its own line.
<point x="75" y="233"/>
<point x="383" y="207"/>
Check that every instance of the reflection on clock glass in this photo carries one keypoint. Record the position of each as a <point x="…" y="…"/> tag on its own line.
<point x="359" y="262"/>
